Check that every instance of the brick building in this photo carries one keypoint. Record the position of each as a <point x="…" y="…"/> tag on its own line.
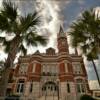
<point x="60" y="75"/>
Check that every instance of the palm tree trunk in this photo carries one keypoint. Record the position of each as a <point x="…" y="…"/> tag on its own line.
<point x="4" y="83"/>
<point x="96" y="72"/>
<point x="8" y="64"/>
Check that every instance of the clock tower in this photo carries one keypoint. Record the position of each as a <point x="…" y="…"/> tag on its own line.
<point x="62" y="41"/>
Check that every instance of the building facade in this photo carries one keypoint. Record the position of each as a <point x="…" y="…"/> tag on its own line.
<point x="60" y="75"/>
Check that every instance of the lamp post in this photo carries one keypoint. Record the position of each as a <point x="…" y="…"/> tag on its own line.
<point x="58" y="88"/>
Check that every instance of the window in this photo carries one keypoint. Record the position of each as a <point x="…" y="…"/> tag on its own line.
<point x="44" y="69"/>
<point x="77" y="68"/>
<point x="20" y="86"/>
<point x="49" y="69"/>
<point x="44" y="88"/>
<point x="80" y="86"/>
<point x="68" y="87"/>
<point x="23" y="68"/>
<point x="31" y="87"/>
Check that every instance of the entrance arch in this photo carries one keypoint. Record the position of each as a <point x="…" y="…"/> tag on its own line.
<point x="49" y="89"/>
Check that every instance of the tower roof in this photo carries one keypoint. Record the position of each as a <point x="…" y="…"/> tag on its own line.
<point x="61" y="32"/>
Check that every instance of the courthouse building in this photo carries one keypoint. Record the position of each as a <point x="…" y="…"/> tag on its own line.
<point x="60" y="75"/>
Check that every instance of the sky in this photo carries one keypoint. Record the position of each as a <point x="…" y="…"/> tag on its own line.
<point x="54" y="13"/>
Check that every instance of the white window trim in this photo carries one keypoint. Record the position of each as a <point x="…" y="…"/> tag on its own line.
<point x="80" y="87"/>
<point x="20" y="85"/>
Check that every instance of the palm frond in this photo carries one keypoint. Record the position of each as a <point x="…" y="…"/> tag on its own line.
<point x="29" y="21"/>
<point x="3" y="23"/>
<point x="33" y="39"/>
<point x="85" y="33"/>
<point x="7" y="46"/>
<point x="1" y="64"/>
<point x="91" y="56"/>
<point x="9" y="10"/>
<point x="41" y="40"/>
<point x="8" y="16"/>
<point x="2" y="39"/>
<point x="22" y="49"/>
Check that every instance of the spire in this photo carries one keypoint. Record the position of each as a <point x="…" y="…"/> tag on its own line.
<point x="62" y="41"/>
<point x="61" y="29"/>
<point x="61" y="32"/>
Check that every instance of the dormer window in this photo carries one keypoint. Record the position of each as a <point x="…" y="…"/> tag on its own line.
<point x="77" y="68"/>
<point x="50" y="51"/>
<point x="23" y="68"/>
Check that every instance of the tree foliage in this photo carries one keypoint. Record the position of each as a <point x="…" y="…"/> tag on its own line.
<point x="23" y="27"/>
<point x="22" y="30"/>
<point x="86" y="97"/>
<point x="85" y="33"/>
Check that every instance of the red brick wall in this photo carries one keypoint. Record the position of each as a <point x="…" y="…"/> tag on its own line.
<point x="61" y="68"/>
<point x="16" y="70"/>
<point x="30" y="67"/>
<point x="38" y="68"/>
<point x="70" y="67"/>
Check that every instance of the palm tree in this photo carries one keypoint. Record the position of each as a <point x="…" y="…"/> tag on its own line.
<point x="23" y="32"/>
<point x="1" y="67"/>
<point x="85" y="34"/>
<point x="86" y="97"/>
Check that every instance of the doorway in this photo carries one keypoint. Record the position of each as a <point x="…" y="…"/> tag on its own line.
<point x="49" y="89"/>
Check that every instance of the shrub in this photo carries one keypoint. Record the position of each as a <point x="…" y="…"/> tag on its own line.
<point x="86" y="97"/>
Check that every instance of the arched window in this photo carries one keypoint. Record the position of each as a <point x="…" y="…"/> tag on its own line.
<point x="20" y="86"/>
<point x="31" y="87"/>
<point x="80" y="86"/>
<point x="68" y="88"/>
